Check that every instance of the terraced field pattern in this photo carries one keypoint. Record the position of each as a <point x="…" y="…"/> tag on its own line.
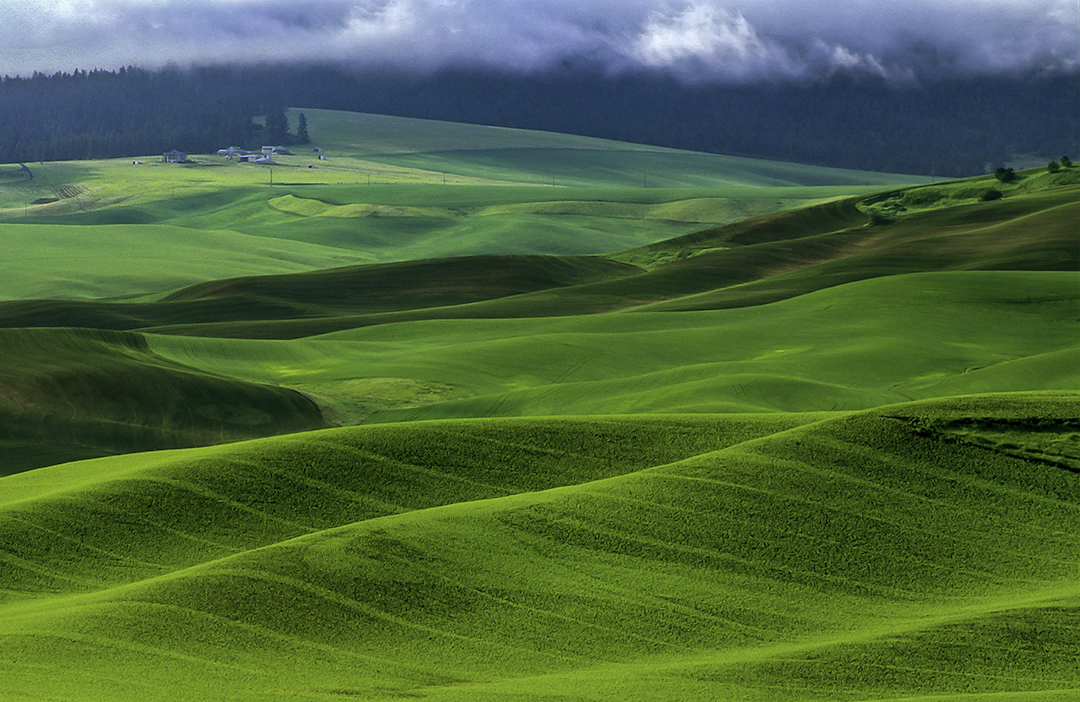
<point x="445" y="412"/>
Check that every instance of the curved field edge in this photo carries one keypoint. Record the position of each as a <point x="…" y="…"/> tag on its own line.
<point x="913" y="550"/>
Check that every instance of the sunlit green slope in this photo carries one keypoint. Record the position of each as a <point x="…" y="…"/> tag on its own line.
<point x="927" y="549"/>
<point x="849" y="347"/>
<point x="68" y="261"/>
<point x="525" y="156"/>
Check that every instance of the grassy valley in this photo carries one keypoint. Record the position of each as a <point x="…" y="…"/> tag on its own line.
<point x="418" y="421"/>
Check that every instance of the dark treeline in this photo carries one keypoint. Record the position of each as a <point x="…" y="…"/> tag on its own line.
<point x="950" y="128"/>
<point x="129" y="112"/>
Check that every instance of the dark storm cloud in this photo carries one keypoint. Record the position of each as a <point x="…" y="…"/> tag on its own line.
<point x="697" y="40"/>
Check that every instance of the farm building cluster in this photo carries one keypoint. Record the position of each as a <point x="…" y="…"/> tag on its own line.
<point x="244" y="156"/>
<point x="265" y="156"/>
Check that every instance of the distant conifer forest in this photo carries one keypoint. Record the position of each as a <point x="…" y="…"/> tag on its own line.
<point x="954" y="128"/>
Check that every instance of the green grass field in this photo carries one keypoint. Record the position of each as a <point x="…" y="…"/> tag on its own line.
<point x="840" y="348"/>
<point x="417" y="423"/>
<point x="309" y="214"/>
<point x="876" y="555"/>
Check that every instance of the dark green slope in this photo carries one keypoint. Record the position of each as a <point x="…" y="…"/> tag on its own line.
<point x="67" y="394"/>
<point x="410" y="285"/>
<point x="823" y="218"/>
<point x="921" y="549"/>
<point x="369" y="290"/>
<point x="1036" y="233"/>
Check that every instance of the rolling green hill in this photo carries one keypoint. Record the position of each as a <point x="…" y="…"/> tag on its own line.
<point x="756" y="432"/>
<point x="912" y="551"/>
<point x="755" y="261"/>
<point x="807" y="310"/>
<point x="175" y="225"/>
<point x="525" y="156"/>
<point x="839" y="348"/>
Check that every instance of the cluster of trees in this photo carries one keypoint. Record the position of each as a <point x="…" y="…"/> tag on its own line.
<point x="1005" y="175"/>
<point x="951" y="128"/>
<point x="276" y="128"/>
<point x="1008" y="175"/>
<point x="1055" y="166"/>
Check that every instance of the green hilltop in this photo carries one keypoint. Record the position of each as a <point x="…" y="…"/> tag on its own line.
<point x="415" y="422"/>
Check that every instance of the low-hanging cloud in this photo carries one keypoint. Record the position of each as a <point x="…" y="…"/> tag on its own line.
<point x="733" y="41"/>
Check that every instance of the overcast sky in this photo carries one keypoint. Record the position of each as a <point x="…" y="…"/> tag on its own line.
<point x="733" y="41"/>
